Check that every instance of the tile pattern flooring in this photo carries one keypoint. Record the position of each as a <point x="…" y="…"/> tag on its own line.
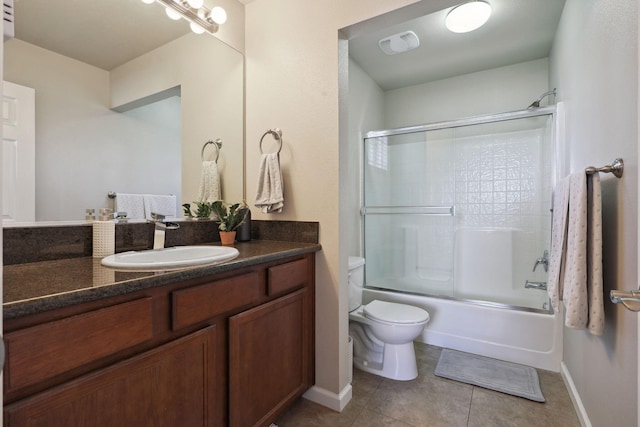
<point x="433" y="401"/>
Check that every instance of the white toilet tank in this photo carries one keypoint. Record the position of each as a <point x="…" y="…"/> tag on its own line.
<point x="356" y="281"/>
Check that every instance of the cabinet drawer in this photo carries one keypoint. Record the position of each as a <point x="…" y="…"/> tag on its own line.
<point x="286" y="277"/>
<point x="204" y="302"/>
<point x="44" y="351"/>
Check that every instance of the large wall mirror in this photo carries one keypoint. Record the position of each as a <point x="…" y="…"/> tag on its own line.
<point x="125" y="100"/>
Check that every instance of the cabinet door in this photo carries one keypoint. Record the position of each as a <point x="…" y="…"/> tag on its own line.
<point x="269" y="363"/>
<point x="172" y="385"/>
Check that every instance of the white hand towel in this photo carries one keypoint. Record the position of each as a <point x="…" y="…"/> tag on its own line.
<point x="132" y="204"/>
<point x="269" y="196"/>
<point x="209" y="190"/>
<point x="575" y="270"/>
<point x="160" y="204"/>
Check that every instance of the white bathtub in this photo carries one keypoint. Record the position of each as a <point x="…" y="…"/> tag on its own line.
<point x="529" y="338"/>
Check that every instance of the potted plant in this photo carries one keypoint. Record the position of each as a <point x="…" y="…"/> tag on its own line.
<point x="230" y="217"/>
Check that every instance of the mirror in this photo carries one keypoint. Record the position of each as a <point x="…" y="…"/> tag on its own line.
<point x="125" y="100"/>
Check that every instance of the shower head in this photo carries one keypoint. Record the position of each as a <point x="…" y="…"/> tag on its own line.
<point x="536" y="103"/>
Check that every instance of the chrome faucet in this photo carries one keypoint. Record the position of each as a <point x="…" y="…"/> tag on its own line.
<point x="160" y="227"/>
<point x="544" y="260"/>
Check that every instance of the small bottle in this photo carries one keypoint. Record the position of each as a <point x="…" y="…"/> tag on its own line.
<point x="90" y="215"/>
<point x="244" y="232"/>
<point x="104" y="234"/>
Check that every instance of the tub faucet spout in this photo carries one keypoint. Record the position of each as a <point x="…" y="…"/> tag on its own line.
<point x="535" y="285"/>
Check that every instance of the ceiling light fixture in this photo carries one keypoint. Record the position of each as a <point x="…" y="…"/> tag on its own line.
<point x="468" y="16"/>
<point x="201" y="19"/>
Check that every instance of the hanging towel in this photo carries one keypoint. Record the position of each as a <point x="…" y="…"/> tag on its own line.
<point x="269" y="196"/>
<point x="558" y="237"/>
<point x="575" y="270"/>
<point x="595" y="286"/>
<point x="132" y="204"/>
<point x="209" y="190"/>
<point x="574" y="293"/>
<point x="160" y="204"/>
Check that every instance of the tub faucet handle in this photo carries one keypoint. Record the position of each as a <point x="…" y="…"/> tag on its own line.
<point x="544" y="260"/>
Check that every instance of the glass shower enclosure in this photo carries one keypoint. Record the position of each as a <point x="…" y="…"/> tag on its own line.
<point x="462" y="209"/>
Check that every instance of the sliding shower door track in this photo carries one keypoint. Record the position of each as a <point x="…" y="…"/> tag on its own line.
<point x="467" y="121"/>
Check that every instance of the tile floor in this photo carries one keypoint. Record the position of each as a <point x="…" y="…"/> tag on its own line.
<point x="433" y="401"/>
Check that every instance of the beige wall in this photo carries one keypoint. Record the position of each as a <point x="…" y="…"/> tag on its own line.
<point x="292" y="82"/>
<point x="595" y="68"/>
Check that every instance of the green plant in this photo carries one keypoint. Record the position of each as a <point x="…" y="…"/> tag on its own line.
<point x="203" y="210"/>
<point x="186" y="210"/>
<point x="230" y="216"/>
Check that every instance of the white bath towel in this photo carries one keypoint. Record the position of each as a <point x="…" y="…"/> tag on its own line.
<point x="270" y="196"/>
<point x="132" y="204"/>
<point x="575" y="270"/>
<point x="160" y="204"/>
<point x="209" y="190"/>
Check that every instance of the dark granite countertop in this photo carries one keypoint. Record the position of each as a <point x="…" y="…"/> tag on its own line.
<point x="40" y="286"/>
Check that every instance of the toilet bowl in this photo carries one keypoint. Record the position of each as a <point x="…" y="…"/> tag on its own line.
<point x="382" y="332"/>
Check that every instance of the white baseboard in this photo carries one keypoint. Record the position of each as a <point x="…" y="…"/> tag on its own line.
<point x="323" y="397"/>
<point x="575" y="397"/>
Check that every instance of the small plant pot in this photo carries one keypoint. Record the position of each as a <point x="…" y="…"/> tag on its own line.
<point x="227" y="238"/>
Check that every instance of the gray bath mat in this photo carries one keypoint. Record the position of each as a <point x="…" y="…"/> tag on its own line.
<point x="510" y="378"/>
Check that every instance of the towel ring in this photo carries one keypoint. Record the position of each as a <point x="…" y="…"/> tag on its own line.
<point x="217" y="143"/>
<point x="277" y="135"/>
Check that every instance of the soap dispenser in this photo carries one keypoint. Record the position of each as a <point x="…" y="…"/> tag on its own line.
<point x="244" y="232"/>
<point x="104" y="234"/>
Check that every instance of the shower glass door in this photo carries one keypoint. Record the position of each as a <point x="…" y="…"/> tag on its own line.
<point x="460" y="210"/>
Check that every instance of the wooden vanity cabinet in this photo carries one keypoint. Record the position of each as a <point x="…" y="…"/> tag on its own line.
<point x="168" y="386"/>
<point x="235" y="349"/>
<point x="270" y="349"/>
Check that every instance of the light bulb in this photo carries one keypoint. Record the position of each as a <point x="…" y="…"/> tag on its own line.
<point x="148" y="1"/>
<point x="218" y="15"/>
<point x="196" y="28"/>
<point x="468" y="16"/>
<point x="196" y="4"/>
<point x="172" y="14"/>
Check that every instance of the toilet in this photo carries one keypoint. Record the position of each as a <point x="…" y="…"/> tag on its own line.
<point x="382" y="332"/>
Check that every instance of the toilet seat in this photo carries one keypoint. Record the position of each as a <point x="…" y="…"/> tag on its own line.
<point x="394" y="313"/>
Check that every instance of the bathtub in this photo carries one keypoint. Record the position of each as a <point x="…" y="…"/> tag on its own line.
<point x="519" y="336"/>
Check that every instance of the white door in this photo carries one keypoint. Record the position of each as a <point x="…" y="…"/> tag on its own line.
<point x="18" y="153"/>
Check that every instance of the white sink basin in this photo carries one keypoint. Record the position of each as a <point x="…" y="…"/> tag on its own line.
<point x="170" y="258"/>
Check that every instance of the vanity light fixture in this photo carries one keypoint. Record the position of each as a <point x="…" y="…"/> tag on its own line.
<point x="468" y="16"/>
<point x="201" y="19"/>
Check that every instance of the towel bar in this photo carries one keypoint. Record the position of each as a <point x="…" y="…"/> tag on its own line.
<point x="277" y="135"/>
<point x="616" y="168"/>
<point x="217" y="143"/>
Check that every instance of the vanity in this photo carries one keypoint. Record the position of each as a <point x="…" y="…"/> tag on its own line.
<point x="228" y="344"/>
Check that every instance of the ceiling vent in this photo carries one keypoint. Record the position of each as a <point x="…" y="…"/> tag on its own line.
<point x="399" y="43"/>
<point x="8" y="19"/>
